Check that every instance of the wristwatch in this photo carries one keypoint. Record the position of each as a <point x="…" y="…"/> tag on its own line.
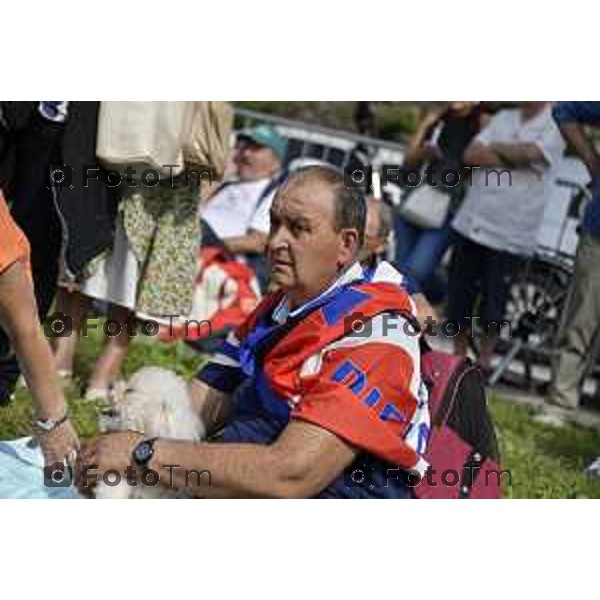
<point x="48" y="425"/>
<point x="143" y="452"/>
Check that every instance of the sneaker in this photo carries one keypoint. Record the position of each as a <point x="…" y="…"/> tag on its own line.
<point x="553" y="400"/>
<point x="553" y="414"/>
<point x="550" y="418"/>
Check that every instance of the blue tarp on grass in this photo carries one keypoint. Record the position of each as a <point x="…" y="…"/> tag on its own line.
<point x="22" y="472"/>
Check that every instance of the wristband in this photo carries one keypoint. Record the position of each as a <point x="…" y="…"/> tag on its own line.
<point x="48" y="425"/>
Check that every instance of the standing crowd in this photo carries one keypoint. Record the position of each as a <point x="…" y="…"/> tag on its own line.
<point x="294" y="397"/>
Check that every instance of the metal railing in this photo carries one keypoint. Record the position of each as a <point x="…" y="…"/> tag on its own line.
<point x="323" y="143"/>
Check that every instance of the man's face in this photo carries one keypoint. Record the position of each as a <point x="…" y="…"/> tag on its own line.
<point x="254" y="161"/>
<point x="305" y="253"/>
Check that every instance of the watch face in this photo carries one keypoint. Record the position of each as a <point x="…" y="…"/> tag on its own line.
<point x="143" y="452"/>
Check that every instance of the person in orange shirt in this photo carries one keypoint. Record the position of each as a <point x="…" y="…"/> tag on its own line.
<point x="19" y="318"/>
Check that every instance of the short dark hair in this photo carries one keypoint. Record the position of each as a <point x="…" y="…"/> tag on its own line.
<point x="350" y="208"/>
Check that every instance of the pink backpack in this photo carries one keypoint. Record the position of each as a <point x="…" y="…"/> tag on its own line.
<point x="462" y="447"/>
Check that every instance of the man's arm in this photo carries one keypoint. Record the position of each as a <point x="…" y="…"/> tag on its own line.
<point x="481" y="155"/>
<point x="498" y="154"/>
<point x="570" y="118"/>
<point x="520" y="154"/>
<point x="416" y="152"/>
<point x="575" y="135"/>
<point x="486" y="151"/>
<point x="304" y="460"/>
<point x="254" y="242"/>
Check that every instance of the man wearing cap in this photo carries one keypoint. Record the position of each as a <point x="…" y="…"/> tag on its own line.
<point x="237" y="215"/>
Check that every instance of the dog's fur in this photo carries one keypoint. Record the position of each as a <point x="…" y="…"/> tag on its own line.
<point x="156" y="402"/>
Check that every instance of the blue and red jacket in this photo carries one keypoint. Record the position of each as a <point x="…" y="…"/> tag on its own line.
<point x="366" y="389"/>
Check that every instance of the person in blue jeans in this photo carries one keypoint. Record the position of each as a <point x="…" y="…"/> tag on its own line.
<point x="439" y="144"/>
<point x="419" y="252"/>
<point x="581" y="318"/>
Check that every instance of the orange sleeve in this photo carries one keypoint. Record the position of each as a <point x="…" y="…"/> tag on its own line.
<point x="362" y="394"/>
<point x="13" y="243"/>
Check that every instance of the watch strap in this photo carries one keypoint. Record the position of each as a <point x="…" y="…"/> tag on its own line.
<point x="49" y="425"/>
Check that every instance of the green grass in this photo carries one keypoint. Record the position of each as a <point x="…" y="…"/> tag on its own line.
<point x="545" y="462"/>
<point x="15" y="420"/>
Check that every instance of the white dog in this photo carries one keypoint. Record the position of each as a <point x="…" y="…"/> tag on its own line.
<point x="156" y="402"/>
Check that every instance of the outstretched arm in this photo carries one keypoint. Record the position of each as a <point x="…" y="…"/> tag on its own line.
<point x="299" y="464"/>
<point x="18" y="314"/>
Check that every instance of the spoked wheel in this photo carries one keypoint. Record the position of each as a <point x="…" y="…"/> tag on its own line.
<point x="536" y="301"/>
<point x="534" y="309"/>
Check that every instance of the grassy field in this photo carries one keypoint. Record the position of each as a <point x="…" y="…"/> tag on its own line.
<point x="544" y="462"/>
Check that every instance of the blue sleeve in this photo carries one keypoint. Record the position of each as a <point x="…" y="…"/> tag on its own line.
<point x="410" y="285"/>
<point x="223" y="371"/>
<point x="587" y="113"/>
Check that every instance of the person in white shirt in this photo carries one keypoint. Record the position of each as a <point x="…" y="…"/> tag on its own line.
<point x="237" y="215"/>
<point x="516" y="155"/>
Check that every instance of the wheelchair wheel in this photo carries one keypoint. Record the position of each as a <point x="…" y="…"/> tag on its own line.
<point x="535" y="303"/>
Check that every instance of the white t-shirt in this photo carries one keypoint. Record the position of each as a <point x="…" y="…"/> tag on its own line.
<point x="508" y="216"/>
<point x="233" y="210"/>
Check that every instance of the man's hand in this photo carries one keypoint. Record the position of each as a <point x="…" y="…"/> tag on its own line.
<point x="109" y="451"/>
<point x="59" y="444"/>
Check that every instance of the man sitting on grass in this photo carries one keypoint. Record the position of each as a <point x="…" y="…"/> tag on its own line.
<point x="305" y="400"/>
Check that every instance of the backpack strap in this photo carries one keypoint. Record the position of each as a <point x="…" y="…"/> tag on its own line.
<point x="275" y="182"/>
<point x="470" y="472"/>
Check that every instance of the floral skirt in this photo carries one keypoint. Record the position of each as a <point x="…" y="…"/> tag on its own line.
<point x="162" y="232"/>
